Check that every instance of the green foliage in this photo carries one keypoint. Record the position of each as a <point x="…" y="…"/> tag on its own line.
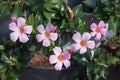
<point x="114" y="24"/>
<point x="17" y="11"/>
<point x="11" y="7"/>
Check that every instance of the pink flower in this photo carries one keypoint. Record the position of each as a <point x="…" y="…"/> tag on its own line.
<point x="46" y="35"/>
<point x="83" y="42"/>
<point x="98" y="30"/>
<point x="19" y="30"/>
<point x="53" y="28"/>
<point x="14" y="19"/>
<point x="60" y="58"/>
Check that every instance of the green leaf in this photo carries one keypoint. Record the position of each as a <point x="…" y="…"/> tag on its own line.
<point x="107" y="9"/>
<point x="49" y="15"/>
<point x="38" y="19"/>
<point x="13" y="74"/>
<point x="90" y="3"/>
<point x="111" y="24"/>
<point x="118" y="53"/>
<point x="117" y="25"/>
<point x="31" y="19"/>
<point x="29" y="2"/>
<point x="90" y="70"/>
<point x="114" y="61"/>
<point x="1" y="66"/>
<point x="4" y="57"/>
<point x="5" y="10"/>
<point x="1" y="5"/>
<point x="2" y="47"/>
<point x="17" y="10"/>
<point x="78" y="9"/>
<point x="55" y="1"/>
<point x="9" y="62"/>
<point x="3" y="76"/>
<point x="114" y="24"/>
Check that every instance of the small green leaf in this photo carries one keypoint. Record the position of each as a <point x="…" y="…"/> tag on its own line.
<point x="78" y="9"/>
<point x="4" y="57"/>
<point x="3" y="76"/>
<point x="2" y="47"/>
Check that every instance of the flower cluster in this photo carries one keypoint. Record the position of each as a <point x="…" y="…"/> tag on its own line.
<point x="82" y="42"/>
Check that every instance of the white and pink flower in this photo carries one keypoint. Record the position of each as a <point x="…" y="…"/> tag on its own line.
<point x="60" y="58"/>
<point x="83" y="42"/>
<point x="20" y="30"/>
<point x="46" y="34"/>
<point x="98" y="30"/>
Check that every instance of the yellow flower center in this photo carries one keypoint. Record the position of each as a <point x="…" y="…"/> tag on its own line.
<point x="82" y="43"/>
<point x="97" y="30"/>
<point x="60" y="57"/>
<point x="21" y="29"/>
<point x="47" y="34"/>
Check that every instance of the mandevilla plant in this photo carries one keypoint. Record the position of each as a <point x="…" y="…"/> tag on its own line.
<point x="82" y="42"/>
<point x="86" y="36"/>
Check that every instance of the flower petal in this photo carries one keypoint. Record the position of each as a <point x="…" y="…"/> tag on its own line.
<point x="98" y="36"/>
<point x="39" y="37"/>
<point x="58" y="66"/>
<point x="46" y="42"/>
<point x="76" y="37"/>
<point x="86" y="36"/>
<point x="66" y="63"/>
<point x="75" y="47"/>
<point x="83" y="50"/>
<point x="49" y="27"/>
<point x="90" y="44"/>
<point x="53" y="59"/>
<point x="66" y="55"/>
<point x="92" y="33"/>
<point x="93" y="26"/>
<point x="101" y="24"/>
<point x="14" y="19"/>
<point x="53" y="36"/>
<point x="104" y="31"/>
<point x="28" y="29"/>
<point x="57" y="50"/>
<point x="13" y="26"/>
<point x="14" y="36"/>
<point x="41" y="29"/>
<point x="23" y="38"/>
<point x="21" y="22"/>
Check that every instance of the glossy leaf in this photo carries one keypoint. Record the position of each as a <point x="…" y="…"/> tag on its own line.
<point x="17" y="10"/>
<point x="5" y="10"/>
<point x="90" y="3"/>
